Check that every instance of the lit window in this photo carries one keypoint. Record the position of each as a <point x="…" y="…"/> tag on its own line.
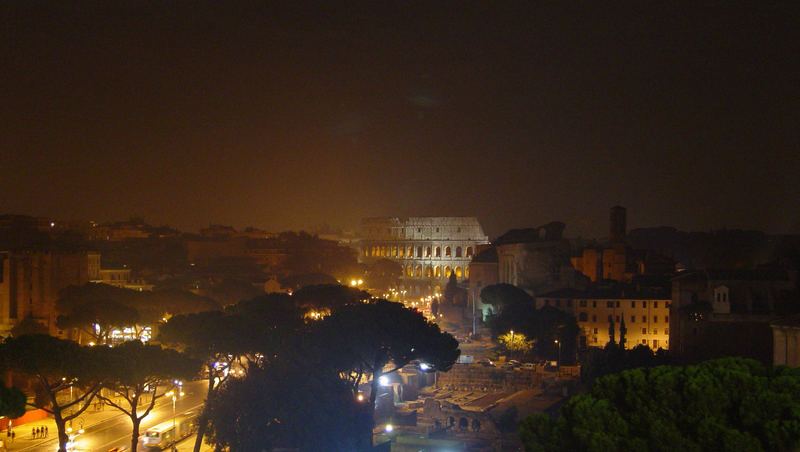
<point x="666" y="319"/>
<point x="644" y="330"/>
<point x="644" y="341"/>
<point x="655" y="330"/>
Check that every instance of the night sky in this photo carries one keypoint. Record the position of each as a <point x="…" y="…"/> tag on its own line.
<point x="190" y="113"/>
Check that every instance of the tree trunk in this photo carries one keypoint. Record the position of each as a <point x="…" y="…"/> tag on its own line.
<point x="135" y="433"/>
<point x="61" y="426"/>
<point x="202" y="422"/>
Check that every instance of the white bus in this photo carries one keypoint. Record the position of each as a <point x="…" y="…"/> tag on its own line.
<point x="166" y="434"/>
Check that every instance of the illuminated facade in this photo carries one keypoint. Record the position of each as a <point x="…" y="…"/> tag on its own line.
<point x="428" y="249"/>
<point x="646" y="313"/>
<point x="30" y="283"/>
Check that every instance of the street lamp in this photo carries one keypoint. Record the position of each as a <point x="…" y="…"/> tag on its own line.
<point x="558" y="361"/>
<point x="511" y="346"/>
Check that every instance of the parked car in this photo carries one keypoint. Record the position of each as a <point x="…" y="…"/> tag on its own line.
<point x="529" y="366"/>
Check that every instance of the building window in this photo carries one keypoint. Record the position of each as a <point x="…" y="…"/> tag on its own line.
<point x="617" y="303"/>
<point x="655" y="343"/>
<point x="644" y="330"/>
<point x="609" y="304"/>
<point x="447" y="251"/>
<point x="437" y="229"/>
<point x="655" y="319"/>
<point x="644" y="304"/>
<point x="428" y="251"/>
<point x="655" y="304"/>
<point x="419" y="251"/>
<point x="595" y="331"/>
<point x="394" y="251"/>
<point x="644" y="319"/>
<point x="633" y="303"/>
<point x="666" y="331"/>
<point x="594" y="339"/>
<point x="594" y="303"/>
<point x="644" y="341"/>
<point x="469" y="251"/>
<point x="666" y="319"/>
<point x="655" y="330"/>
<point x="594" y="318"/>
<point x="582" y="303"/>
<point x="458" y="251"/>
<point x="633" y="319"/>
<point x="582" y="317"/>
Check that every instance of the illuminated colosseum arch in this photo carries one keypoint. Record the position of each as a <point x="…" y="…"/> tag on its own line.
<point x="459" y="273"/>
<point x="418" y="272"/>
<point x="447" y="271"/>
<point x="437" y="271"/>
<point x="428" y="271"/>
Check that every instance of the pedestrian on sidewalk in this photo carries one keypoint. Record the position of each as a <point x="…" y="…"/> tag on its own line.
<point x="36" y="433"/>
<point x="13" y="435"/>
<point x="33" y="433"/>
<point x="46" y="431"/>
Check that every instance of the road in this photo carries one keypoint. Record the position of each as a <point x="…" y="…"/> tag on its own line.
<point x="115" y="431"/>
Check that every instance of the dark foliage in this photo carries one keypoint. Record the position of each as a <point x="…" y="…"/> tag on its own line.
<point x="730" y="404"/>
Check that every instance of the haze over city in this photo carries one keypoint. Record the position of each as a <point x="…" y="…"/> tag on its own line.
<point x="287" y="117"/>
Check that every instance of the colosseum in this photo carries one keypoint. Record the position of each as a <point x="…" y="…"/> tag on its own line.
<point x="428" y="249"/>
